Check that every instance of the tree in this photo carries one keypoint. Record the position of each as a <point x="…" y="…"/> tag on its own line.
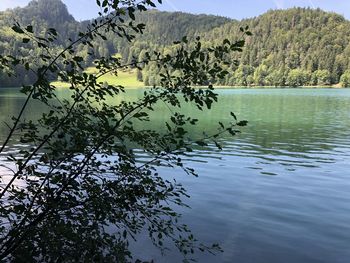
<point x="139" y="75"/>
<point x="243" y="75"/>
<point x="260" y="75"/>
<point x="277" y="78"/>
<point x="297" y="78"/>
<point x="321" y="77"/>
<point x="79" y="176"/>
<point x="345" y="79"/>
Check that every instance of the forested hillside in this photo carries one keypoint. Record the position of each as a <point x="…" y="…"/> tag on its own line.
<point x="292" y="47"/>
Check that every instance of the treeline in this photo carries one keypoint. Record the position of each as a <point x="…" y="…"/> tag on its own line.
<point x="294" y="47"/>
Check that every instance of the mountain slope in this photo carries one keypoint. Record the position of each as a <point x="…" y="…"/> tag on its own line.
<point x="298" y="46"/>
<point x="313" y="41"/>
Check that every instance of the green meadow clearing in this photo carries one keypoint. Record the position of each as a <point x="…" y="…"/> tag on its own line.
<point x="127" y="78"/>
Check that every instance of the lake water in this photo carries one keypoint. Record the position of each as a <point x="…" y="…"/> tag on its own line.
<point x="278" y="192"/>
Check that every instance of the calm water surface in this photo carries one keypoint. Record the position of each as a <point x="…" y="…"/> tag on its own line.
<point x="279" y="192"/>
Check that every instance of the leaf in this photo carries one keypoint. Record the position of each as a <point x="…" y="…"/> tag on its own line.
<point x="242" y="123"/>
<point x="53" y="31"/>
<point x="233" y="115"/>
<point x="29" y="28"/>
<point x="226" y="41"/>
<point x="42" y="45"/>
<point x="218" y="145"/>
<point x="78" y="59"/>
<point x="239" y="43"/>
<point x="140" y="114"/>
<point x="201" y="143"/>
<point x="131" y="13"/>
<point x="25" y="40"/>
<point x="17" y="29"/>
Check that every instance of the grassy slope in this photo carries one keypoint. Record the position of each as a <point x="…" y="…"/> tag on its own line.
<point x="125" y="78"/>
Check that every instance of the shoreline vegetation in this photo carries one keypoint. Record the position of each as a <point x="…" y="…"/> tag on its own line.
<point x="297" y="47"/>
<point x="128" y="83"/>
<point x="67" y="85"/>
<point x="128" y="79"/>
<point x="63" y="85"/>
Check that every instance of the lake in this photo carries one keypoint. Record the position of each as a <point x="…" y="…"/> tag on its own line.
<point x="278" y="192"/>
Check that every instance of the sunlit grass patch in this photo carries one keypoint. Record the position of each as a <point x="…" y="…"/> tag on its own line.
<point x="126" y="78"/>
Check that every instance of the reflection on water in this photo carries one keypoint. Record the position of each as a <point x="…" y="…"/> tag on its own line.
<point x="278" y="192"/>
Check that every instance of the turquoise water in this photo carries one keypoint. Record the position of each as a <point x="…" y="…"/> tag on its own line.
<point x="278" y="192"/>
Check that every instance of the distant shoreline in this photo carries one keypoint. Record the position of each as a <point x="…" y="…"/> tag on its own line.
<point x="281" y="87"/>
<point x="138" y="85"/>
<point x="66" y="85"/>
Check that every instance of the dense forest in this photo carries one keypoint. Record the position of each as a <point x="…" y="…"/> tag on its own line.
<point x="294" y="47"/>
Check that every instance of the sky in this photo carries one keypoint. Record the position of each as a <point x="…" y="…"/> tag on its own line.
<point x="237" y="9"/>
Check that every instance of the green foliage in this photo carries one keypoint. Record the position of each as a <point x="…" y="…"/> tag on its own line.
<point x="312" y="41"/>
<point x="277" y="78"/>
<point x="345" y="79"/>
<point x="260" y="75"/>
<point x="306" y="39"/>
<point x="321" y="77"/>
<point x="78" y="192"/>
<point x="297" y="78"/>
<point x="243" y="76"/>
